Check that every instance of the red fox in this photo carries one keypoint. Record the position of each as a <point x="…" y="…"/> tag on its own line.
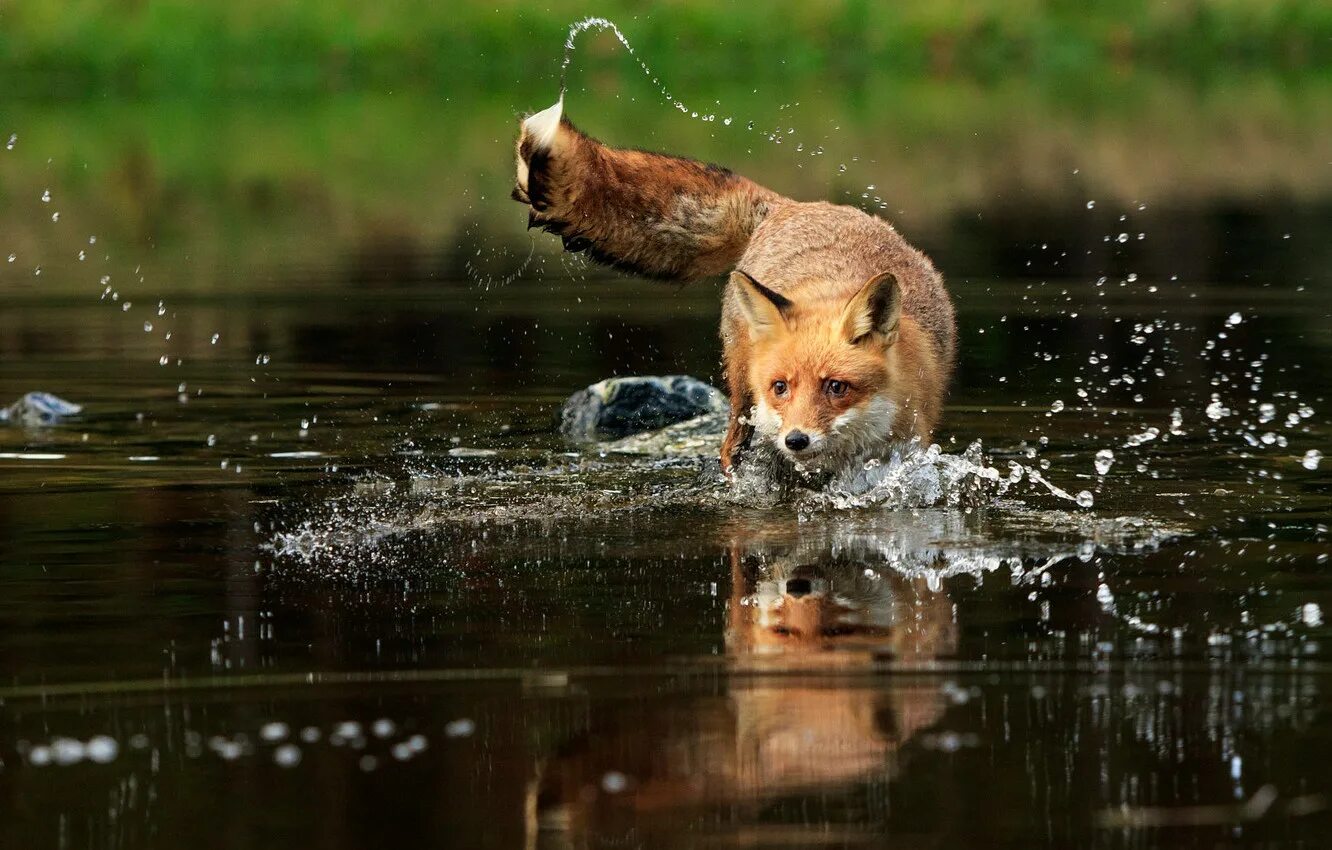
<point x="839" y="337"/>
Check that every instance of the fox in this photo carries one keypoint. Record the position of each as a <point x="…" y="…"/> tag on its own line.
<point x="839" y="338"/>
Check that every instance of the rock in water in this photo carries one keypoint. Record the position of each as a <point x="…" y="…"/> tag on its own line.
<point x="618" y="407"/>
<point x="697" y="437"/>
<point x="39" y="409"/>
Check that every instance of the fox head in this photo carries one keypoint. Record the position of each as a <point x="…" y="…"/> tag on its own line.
<point x="822" y="371"/>
<point x="809" y="603"/>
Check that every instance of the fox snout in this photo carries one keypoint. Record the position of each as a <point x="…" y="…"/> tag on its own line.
<point x="796" y="440"/>
<point x="802" y="442"/>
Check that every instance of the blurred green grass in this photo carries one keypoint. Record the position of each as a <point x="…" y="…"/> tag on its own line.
<point x="79" y="48"/>
<point x="228" y="140"/>
<point x="227" y="194"/>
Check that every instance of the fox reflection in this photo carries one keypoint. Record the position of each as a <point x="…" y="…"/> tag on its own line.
<point x="831" y="608"/>
<point x="793" y="608"/>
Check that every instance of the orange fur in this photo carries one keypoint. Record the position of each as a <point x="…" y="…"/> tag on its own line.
<point x="850" y="380"/>
<point x="827" y="292"/>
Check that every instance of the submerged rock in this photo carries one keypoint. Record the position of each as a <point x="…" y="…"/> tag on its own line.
<point x="39" y="409"/>
<point x="619" y="407"/>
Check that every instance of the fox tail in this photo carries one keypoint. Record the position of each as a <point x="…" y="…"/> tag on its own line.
<point x="650" y="214"/>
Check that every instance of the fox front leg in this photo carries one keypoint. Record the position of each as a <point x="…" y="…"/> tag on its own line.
<point x="738" y="432"/>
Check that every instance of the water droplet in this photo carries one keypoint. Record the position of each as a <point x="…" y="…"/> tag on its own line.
<point x="102" y="749"/>
<point x="46" y="196"/>
<point x="1235" y="319"/>
<point x="215" y="338"/>
<point x="1104" y="460"/>
<point x="461" y="728"/>
<point x="1085" y="499"/>
<point x="1311" y="459"/>
<point x="13" y="140"/>
<point x="287" y="755"/>
<point x="68" y="751"/>
<point x="1091" y="205"/>
<point x="1311" y="614"/>
<point x="1057" y="406"/>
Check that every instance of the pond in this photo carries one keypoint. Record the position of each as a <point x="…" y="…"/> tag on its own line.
<point x="314" y="564"/>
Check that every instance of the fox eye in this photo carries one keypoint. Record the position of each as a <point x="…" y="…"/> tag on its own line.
<point x="779" y="387"/>
<point x="836" y="388"/>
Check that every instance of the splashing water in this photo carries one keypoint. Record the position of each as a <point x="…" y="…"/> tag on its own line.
<point x="375" y="527"/>
<point x="487" y="281"/>
<point x="776" y="136"/>
<point x="592" y="23"/>
<point x="910" y="476"/>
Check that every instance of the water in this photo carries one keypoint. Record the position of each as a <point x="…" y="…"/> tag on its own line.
<point x="329" y="571"/>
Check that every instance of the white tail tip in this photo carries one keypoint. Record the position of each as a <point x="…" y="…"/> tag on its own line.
<point x="542" y="126"/>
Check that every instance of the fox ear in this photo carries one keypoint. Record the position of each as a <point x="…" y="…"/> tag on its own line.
<point x="763" y="309"/>
<point x="875" y="309"/>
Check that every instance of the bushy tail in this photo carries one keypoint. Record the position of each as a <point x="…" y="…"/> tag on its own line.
<point x="647" y="213"/>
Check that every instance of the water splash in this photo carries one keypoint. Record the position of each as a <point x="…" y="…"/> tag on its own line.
<point x="777" y="135"/>
<point x="380" y="527"/>
<point x="598" y="24"/>
<point x="911" y="475"/>
<point x="487" y="281"/>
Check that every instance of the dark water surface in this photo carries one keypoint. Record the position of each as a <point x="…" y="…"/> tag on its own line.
<point x="335" y="580"/>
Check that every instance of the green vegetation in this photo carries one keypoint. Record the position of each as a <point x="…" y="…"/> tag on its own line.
<point x="77" y="48"/>
<point x="223" y="188"/>
<point x="217" y="137"/>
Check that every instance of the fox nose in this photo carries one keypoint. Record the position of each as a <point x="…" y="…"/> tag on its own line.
<point x="797" y="441"/>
